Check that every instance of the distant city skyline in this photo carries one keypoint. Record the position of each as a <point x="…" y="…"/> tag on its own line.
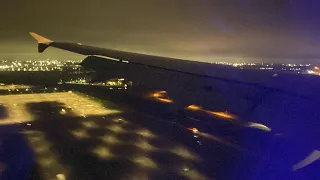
<point x="47" y="64"/>
<point x="279" y="31"/>
<point x="76" y="57"/>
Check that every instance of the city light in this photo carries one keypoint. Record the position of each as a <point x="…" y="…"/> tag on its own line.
<point x="39" y="65"/>
<point x="14" y="87"/>
<point x="295" y="68"/>
<point x="74" y="65"/>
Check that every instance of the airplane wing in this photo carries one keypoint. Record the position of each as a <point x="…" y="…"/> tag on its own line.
<point x="188" y="82"/>
<point x="201" y="69"/>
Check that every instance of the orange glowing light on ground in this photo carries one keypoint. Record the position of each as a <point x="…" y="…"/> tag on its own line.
<point x="194" y="107"/>
<point x="316" y="68"/>
<point x="165" y="100"/>
<point x="224" y="115"/>
<point x="161" y="96"/>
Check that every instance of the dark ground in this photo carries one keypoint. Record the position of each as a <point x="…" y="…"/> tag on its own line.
<point x="221" y="159"/>
<point x="47" y="147"/>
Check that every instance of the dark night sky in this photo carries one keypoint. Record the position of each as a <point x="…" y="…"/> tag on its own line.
<point x="204" y="30"/>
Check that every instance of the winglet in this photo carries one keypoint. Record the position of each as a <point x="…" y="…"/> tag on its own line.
<point x="40" y="39"/>
<point x="43" y="42"/>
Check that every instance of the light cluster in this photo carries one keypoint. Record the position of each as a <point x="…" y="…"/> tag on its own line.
<point x="295" y="68"/>
<point x="39" y="65"/>
<point x="80" y="106"/>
